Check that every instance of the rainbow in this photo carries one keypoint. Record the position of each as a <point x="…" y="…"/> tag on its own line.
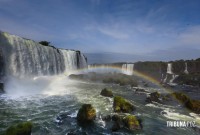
<point x="120" y="69"/>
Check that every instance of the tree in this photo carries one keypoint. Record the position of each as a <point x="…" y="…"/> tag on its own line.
<point x="45" y="43"/>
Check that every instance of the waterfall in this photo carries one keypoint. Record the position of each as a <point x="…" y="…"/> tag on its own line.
<point x="23" y="57"/>
<point x="186" y="69"/>
<point x="127" y="69"/>
<point x="169" y="68"/>
<point x="70" y="60"/>
<point x="170" y="75"/>
<point x="173" y="78"/>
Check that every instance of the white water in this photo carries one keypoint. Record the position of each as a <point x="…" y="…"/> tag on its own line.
<point x="128" y="69"/>
<point x="41" y="85"/>
<point x="186" y="69"/>
<point x="173" y="78"/>
<point x="25" y="57"/>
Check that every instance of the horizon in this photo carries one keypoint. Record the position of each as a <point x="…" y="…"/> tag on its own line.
<point x="141" y="30"/>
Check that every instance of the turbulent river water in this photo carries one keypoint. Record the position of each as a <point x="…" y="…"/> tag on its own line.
<point x="52" y="103"/>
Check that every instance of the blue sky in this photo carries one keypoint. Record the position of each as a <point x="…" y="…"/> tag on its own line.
<point x="152" y="29"/>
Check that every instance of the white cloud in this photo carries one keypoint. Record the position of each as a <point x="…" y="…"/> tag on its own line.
<point x="114" y="33"/>
<point x="191" y="36"/>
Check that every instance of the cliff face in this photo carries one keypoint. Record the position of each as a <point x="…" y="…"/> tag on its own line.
<point x="23" y="57"/>
<point x="154" y="69"/>
<point x="181" y="72"/>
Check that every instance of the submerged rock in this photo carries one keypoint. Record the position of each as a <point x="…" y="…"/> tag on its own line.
<point x="155" y="96"/>
<point x="122" y="105"/>
<point x="107" y="118"/>
<point x="20" y="129"/>
<point x="106" y="92"/>
<point x="1" y="88"/>
<point x="86" y="113"/>
<point x="131" y="122"/>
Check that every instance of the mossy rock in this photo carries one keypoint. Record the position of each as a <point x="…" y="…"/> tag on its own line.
<point x="181" y="97"/>
<point x="193" y="105"/>
<point x="131" y="122"/>
<point x="106" y="92"/>
<point x="122" y="105"/>
<point x="125" y="121"/>
<point x="86" y="113"/>
<point x="20" y="129"/>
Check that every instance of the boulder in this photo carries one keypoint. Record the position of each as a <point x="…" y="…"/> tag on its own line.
<point x="125" y="121"/>
<point x="155" y="96"/>
<point x="122" y="105"/>
<point x="193" y="105"/>
<point x="86" y="113"/>
<point x="131" y="122"/>
<point x="20" y="129"/>
<point x="106" y="92"/>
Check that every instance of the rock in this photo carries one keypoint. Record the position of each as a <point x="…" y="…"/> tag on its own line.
<point x="125" y="121"/>
<point x="193" y="105"/>
<point x="118" y="121"/>
<point x="146" y="85"/>
<point x="1" y="88"/>
<point x="131" y="122"/>
<point x="122" y="105"/>
<point x="76" y="133"/>
<point x="106" y="92"/>
<point x="20" y="129"/>
<point x="116" y="117"/>
<point x="155" y="96"/>
<point x="115" y="127"/>
<point x="86" y="113"/>
<point x="106" y="118"/>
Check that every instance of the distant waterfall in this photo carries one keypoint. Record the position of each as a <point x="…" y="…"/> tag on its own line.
<point x="128" y="69"/>
<point x="169" y="68"/>
<point x="23" y="57"/>
<point x="170" y="76"/>
<point x="186" y="69"/>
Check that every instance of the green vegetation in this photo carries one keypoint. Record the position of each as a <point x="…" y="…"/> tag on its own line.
<point x="20" y="129"/>
<point x="45" y="43"/>
<point x="106" y="92"/>
<point x="193" y="105"/>
<point x="122" y="105"/>
<point x="86" y="113"/>
<point x="131" y="122"/>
